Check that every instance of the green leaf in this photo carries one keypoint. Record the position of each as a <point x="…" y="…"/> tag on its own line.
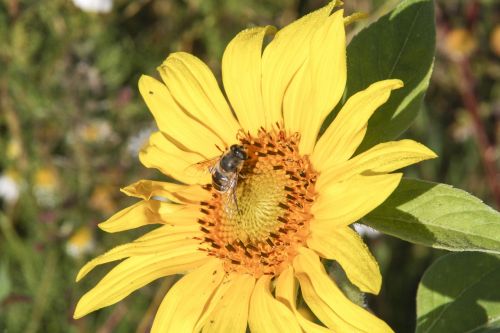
<point x="399" y="45"/>
<point x="460" y="293"/>
<point x="438" y="215"/>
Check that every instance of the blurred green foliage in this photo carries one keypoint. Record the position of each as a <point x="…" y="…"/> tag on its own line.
<point x="71" y="122"/>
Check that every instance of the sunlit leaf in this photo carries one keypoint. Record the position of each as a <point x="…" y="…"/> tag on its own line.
<point x="438" y="215"/>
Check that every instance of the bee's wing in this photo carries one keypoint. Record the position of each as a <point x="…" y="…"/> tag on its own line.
<point x="229" y="199"/>
<point x="202" y="168"/>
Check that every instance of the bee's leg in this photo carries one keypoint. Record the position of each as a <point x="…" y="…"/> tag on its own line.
<point x="236" y="202"/>
<point x="220" y="149"/>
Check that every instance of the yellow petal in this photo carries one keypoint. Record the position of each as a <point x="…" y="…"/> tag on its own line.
<point x="283" y="57"/>
<point x="164" y="155"/>
<point x="185" y="302"/>
<point x="319" y="84"/>
<point x="326" y="300"/>
<point x="151" y="212"/>
<point x="136" y="272"/>
<point x="241" y="74"/>
<point x="340" y="204"/>
<point x="286" y="292"/>
<point x="175" y="123"/>
<point x="161" y="240"/>
<point x="286" y="288"/>
<point x="179" y="193"/>
<point x="175" y="214"/>
<point x="383" y="158"/>
<point x="297" y="97"/>
<point x="212" y="304"/>
<point x="231" y="312"/>
<point x="346" y="247"/>
<point x="132" y="217"/>
<point x="194" y="88"/>
<point x="345" y="133"/>
<point x="354" y="17"/>
<point x="268" y="315"/>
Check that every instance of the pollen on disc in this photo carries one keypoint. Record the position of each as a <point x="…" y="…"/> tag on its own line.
<point x="274" y="195"/>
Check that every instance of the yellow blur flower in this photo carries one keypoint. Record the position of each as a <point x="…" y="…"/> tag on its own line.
<point x="95" y="131"/>
<point x="102" y="200"/>
<point x="460" y="43"/>
<point x="495" y="40"/>
<point x="13" y="150"/>
<point x="297" y="194"/>
<point x="46" y="185"/>
<point x="47" y="178"/>
<point x="80" y="243"/>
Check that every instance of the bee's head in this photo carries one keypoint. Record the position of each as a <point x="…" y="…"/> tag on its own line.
<point x="239" y="152"/>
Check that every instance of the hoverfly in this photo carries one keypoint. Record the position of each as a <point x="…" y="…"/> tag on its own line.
<point x="225" y="171"/>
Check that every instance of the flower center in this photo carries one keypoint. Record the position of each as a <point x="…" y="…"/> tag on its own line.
<point x="258" y="227"/>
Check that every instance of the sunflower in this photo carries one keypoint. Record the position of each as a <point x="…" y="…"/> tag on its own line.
<point x="297" y="194"/>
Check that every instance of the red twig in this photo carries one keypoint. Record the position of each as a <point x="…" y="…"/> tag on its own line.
<point x="15" y="298"/>
<point x="487" y="150"/>
<point x="114" y="319"/>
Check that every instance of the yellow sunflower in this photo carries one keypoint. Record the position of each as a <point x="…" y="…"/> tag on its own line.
<point x="297" y="194"/>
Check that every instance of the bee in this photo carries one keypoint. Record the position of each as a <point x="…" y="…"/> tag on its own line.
<point x="225" y="171"/>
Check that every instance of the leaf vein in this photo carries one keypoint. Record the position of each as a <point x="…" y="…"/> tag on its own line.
<point x="436" y="227"/>
<point x="398" y="58"/>
<point x="465" y="290"/>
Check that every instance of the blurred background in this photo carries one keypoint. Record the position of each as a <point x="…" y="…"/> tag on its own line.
<point x="72" y="122"/>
